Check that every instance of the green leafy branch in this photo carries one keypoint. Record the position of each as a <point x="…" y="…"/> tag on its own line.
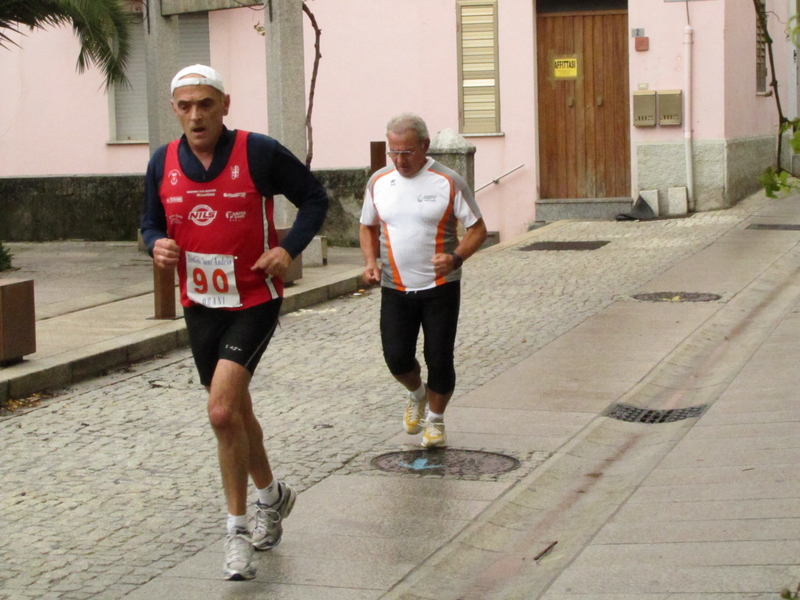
<point x="779" y="182"/>
<point x="775" y="180"/>
<point x="788" y="595"/>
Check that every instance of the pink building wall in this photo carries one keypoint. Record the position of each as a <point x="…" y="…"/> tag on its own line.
<point x="725" y="103"/>
<point x="233" y="37"/>
<point x="405" y="58"/>
<point x="733" y="127"/>
<point x="746" y="112"/>
<point x="381" y="58"/>
<point x="662" y="67"/>
<point x="53" y="121"/>
<point x="405" y="61"/>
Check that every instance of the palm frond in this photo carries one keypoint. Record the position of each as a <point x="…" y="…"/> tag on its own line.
<point x="14" y="13"/>
<point x="102" y="27"/>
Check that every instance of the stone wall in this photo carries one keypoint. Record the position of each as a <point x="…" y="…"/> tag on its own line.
<point x="98" y="208"/>
<point x="107" y="207"/>
<point x="725" y="171"/>
<point x="345" y="188"/>
<point x="747" y="159"/>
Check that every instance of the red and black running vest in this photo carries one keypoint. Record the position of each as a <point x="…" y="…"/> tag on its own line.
<point x="222" y="227"/>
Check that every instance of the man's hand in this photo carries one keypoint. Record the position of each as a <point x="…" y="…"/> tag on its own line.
<point x="372" y="274"/>
<point x="443" y="264"/>
<point x="370" y="248"/>
<point x="275" y="261"/>
<point x="166" y="253"/>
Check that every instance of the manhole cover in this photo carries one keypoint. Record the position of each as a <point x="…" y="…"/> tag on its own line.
<point x="775" y="226"/>
<point x="563" y="246"/>
<point x="635" y="414"/>
<point x="445" y="461"/>
<point x="677" y="297"/>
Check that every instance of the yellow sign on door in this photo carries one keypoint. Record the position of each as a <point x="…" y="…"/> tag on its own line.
<point x="566" y="67"/>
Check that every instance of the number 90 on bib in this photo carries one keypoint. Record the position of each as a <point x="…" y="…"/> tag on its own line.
<point x="211" y="280"/>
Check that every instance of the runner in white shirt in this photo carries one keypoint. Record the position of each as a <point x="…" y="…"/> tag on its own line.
<point x="419" y="216"/>
<point x="409" y="220"/>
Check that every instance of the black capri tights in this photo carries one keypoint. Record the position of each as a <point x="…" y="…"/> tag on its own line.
<point x="436" y="311"/>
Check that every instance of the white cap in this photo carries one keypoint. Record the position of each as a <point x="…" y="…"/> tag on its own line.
<point x="208" y="77"/>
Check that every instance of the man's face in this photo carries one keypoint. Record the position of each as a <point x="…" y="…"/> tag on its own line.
<point x="200" y="110"/>
<point x="407" y="152"/>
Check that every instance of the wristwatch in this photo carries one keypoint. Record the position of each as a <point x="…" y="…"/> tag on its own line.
<point x="457" y="260"/>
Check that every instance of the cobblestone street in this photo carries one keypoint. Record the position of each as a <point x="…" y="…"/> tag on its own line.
<point x="110" y="482"/>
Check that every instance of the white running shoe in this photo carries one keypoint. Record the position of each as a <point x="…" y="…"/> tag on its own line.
<point x="239" y="556"/>
<point x="415" y="411"/>
<point x="434" y="435"/>
<point x="268" y="528"/>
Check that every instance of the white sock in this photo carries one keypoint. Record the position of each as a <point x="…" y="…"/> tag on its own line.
<point x="419" y="395"/>
<point x="270" y="494"/>
<point x="236" y="522"/>
<point x="432" y="416"/>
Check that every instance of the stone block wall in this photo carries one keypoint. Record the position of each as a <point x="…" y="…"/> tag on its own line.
<point x="725" y="171"/>
<point x="107" y="207"/>
<point x="98" y="208"/>
<point x="345" y="188"/>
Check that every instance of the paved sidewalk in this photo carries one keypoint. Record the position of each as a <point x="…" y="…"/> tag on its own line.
<point x="112" y="491"/>
<point x="95" y="307"/>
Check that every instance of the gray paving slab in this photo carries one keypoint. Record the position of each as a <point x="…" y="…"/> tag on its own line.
<point x="113" y="491"/>
<point x="769" y="410"/>
<point x="593" y="595"/>
<point x="176" y="588"/>
<point x="678" y="580"/>
<point x="751" y="475"/>
<point x="729" y="553"/>
<point x="87" y="331"/>
<point x="711" y="430"/>
<point x="696" y="531"/>
<point x="782" y="487"/>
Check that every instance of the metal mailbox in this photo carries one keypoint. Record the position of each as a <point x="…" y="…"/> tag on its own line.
<point x="670" y="107"/>
<point x="644" y="108"/>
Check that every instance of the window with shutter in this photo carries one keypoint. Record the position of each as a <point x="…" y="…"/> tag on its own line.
<point x="193" y="35"/>
<point x="479" y="94"/>
<point x="761" y="51"/>
<point x="129" y="103"/>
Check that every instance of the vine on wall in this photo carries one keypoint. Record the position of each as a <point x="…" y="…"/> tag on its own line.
<point x="776" y="180"/>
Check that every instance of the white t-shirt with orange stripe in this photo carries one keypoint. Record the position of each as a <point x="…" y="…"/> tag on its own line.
<point x="418" y="217"/>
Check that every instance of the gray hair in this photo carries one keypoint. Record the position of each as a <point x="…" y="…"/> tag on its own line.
<point x="408" y="121"/>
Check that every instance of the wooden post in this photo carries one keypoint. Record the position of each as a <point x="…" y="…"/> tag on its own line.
<point x="164" y="292"/>
<point x="17" y="320"/>
<point x="377" y="156"/>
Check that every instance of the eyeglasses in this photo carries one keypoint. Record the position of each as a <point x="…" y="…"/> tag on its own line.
<point x="398" y="153"/>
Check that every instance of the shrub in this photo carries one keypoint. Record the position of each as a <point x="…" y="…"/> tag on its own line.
<point x="5" y="258"/>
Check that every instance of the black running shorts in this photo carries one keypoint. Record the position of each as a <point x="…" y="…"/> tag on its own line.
<point x="434" y="310"/>
<point x="240" y="336"/>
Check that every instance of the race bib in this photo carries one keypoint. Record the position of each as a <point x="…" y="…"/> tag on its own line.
<point x="211" y="280"/>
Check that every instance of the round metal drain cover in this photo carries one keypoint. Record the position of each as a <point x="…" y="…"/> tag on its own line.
<point x="677" y="297"/>
<point x="445" y="461"/>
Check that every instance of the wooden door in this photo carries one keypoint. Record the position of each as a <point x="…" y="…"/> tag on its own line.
<point x="584" y="119"/>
